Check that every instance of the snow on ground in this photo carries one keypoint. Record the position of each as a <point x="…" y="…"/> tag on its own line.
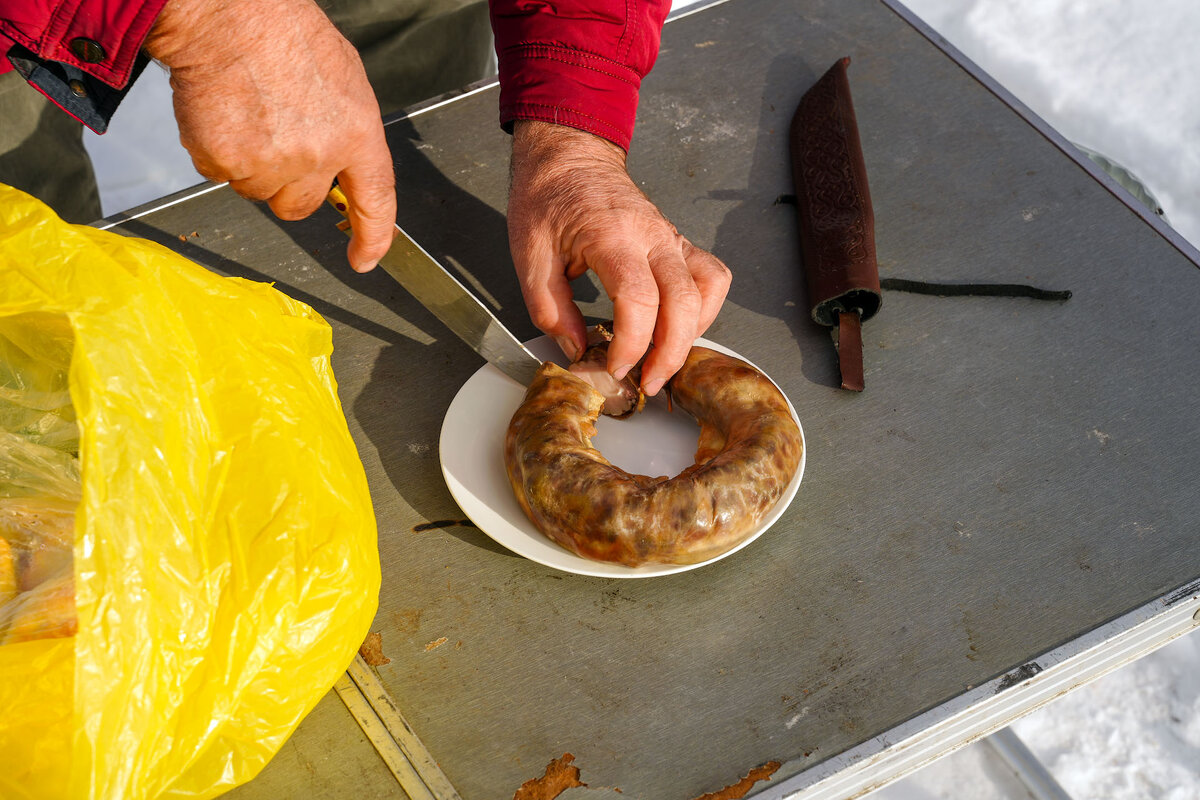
<point x="1119" y="77"/>
<point x="1131" y="735"/>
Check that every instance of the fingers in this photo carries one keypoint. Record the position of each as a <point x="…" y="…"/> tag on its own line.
<point x="295" y="200"/>
<point x="645" y="292"/>
<point x="276" y="127"/>
<point x="657" y="300"/>
<point x="712" y="279"/>
<point x="665" y="292"/>
<point x="572" y="197"/>
<point x="546" y="287"/>
<point x="630" y="284"/>
<point x="552" y="309"/>
<point x="370" y="186"/>
<point x="690" y="303"/>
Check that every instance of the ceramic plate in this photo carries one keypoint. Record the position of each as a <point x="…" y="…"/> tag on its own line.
<point x="653" y="442"/>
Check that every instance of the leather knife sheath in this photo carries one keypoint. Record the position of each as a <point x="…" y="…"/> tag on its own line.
<point x="837" y="224"/>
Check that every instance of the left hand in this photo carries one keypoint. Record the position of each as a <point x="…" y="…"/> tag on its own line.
<point x="573" y="207"/>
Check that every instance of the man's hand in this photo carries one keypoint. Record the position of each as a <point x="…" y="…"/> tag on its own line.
<point x="573" y="207"/>
<point x="271" y="98"/>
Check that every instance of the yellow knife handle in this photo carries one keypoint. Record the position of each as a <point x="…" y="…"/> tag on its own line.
<point x="337" y="199"/>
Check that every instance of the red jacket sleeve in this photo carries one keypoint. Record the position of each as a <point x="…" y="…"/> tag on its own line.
<point x="99" y="37"/>
<point x="576" y="62"/>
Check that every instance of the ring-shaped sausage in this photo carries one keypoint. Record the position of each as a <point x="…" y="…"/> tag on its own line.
<point x="749" y="450"/>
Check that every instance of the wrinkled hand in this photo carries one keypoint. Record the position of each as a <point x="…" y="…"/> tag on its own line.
<point x="271" y="98"/>
<point x="573" y="207"/>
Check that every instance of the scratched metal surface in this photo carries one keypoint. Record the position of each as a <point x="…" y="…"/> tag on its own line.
<point x="1016" y="473"/>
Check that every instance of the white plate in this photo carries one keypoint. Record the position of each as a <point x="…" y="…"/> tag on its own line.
<point x="653" y="442"/>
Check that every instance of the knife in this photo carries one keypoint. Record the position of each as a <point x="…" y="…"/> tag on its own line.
<point x="448" y="300"/>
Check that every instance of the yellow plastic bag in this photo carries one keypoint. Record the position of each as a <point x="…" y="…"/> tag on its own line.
<point x="224" y="558"/>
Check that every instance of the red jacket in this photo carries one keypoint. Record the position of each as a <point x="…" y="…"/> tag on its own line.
<point x="575" y="62"/>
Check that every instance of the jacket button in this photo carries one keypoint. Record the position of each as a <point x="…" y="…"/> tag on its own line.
<point x="87" y="50"/>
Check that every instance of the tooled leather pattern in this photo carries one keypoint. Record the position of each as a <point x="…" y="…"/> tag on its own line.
<point x="835" y="210"/>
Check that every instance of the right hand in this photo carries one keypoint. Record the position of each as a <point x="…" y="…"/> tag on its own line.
<point x="270" y="98"/>
<point x="572" y="208"/>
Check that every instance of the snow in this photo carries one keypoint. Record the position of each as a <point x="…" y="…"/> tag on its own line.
<point x="1118" y="77"/>
<point x="1131" y="735"/>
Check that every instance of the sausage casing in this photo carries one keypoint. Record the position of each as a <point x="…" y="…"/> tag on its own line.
<point x="749" y="450"/>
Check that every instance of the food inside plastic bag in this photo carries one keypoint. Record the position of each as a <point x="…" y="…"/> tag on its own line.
<point x="35" y="398"/>
<point x="187" y="545"/>
<point x="46" y="611"/>
<point x="37" y="583"/>
<point x="39" y="478"/>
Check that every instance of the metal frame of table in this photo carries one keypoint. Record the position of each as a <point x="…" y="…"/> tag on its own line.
<point x="1005" y="513"/>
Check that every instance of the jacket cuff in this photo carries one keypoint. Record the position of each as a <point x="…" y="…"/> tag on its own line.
<point x="88" y="99"/>
<point x="568" y="87"/>
<point x="103" y="40"/>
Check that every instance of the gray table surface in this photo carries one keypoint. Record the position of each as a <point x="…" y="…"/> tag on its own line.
<point x="1016" y="474"/>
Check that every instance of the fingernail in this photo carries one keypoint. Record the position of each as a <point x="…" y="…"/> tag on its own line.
<point x="620" y="372"/>
<point x="367" y="267"/>
<point x="567" y="345"/>
<point x="651" y="388"/>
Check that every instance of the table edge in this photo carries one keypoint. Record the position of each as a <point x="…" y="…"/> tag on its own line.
<point x="994" y="705"/>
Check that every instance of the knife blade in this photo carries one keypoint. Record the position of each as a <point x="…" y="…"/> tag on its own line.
<point x="438" y="290"/>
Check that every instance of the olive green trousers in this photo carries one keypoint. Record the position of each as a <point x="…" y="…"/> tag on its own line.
<point x="412" y="50"/>
<point x="42" y="152"/>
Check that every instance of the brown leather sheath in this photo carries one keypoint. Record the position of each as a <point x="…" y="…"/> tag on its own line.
<point x="837" y="225"/>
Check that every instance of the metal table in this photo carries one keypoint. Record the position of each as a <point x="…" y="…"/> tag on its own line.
<point x="1007" y="511"/>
